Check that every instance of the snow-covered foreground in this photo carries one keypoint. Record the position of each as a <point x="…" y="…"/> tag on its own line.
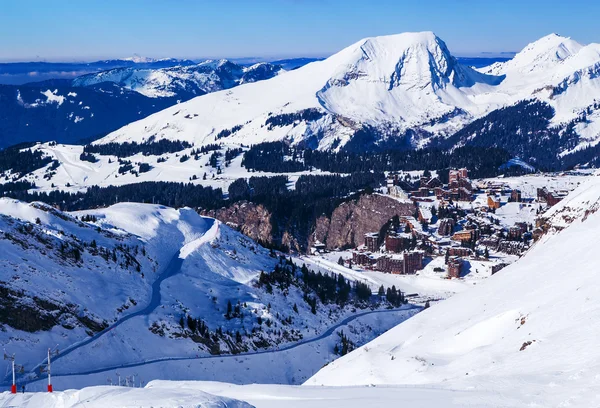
<point x="104" y="397"/>
<point x="167" y="394"/>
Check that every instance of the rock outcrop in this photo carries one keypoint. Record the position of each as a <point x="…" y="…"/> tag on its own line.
<point x="252" y="220"/>
<point x="350" y="221"/>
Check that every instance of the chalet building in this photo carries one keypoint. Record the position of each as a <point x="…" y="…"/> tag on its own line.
<point x="389" y="264"/>
<point x="398" y="242"/>
<point x="464" y="194"/>
<point x="441" y="193"/>
<point x="372" y="241"/>
<point x="459" y="251"/>
<point x="490" y="242"/>
<point x="461" y="183"/>
<point x="464" y="236"/>
<point x="425" y="215"/>
<point x="408" y="264"/>
<point x="413" y="262"/>
<point x="421" y="192"/>
<point x="363" y="258"/>
<point x="549" y="197"/>
<point x="455" y="175"/>
<point x="454" y="267"/>
<point x="523" y="226"/>
<point x="446" y="226"/>
<point x="318" y="248"/>
<point x="397" y="192"/>
<point x="493" y="202"/>
<point x="512" y="247"/>
<point x="553" y="199"/>
<point x="433" y="183"/>
<point x="515" y="233"/>
<point x="515" y="196"/>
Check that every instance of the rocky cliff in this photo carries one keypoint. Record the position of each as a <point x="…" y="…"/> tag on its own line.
<point x="350" y="221"/>
<point x="252" y="220"/>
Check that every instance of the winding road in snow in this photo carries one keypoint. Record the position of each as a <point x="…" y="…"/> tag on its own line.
<point x="322" y="336"/>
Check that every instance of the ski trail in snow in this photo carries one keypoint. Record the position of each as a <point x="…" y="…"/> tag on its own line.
<point x="173" y="267"/>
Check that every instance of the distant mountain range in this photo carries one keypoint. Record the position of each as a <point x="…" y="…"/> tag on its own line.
<point x="407" y="91"/>
<point x="19" y="73"/>
<point x="90" y="106"/>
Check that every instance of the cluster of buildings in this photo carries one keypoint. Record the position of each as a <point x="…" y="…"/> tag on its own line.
<point x="464" y="227"/>
<point x="459" y="187"/>
<point x="396" y="252"/>
<point x="550" y="197"/>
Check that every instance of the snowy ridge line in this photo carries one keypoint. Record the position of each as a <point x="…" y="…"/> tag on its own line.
<point x="323" y="335"/>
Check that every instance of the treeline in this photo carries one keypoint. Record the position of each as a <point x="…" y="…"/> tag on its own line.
<point x="128" y="149"/>
<point x="525" y="131"/>
<point x="328" y="288"/>
<point x="15" y="186"/>
<point x="278" y="157"/>
<point x="286" y="119"/>
<point x="165" y="193"/>
<point x="22" y="162"/>
<point x="275" y="157"/>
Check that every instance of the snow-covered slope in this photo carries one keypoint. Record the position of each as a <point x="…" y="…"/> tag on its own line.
<point x="384" y="86"/>
<point x="133" y="285"/>
<point x="403" y="80"/>
<point x="530" y="330"/>
<point x="182" y="81"/>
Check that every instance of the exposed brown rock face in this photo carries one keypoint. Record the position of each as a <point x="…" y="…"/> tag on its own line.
<point x="250" y="219"/>
<point x="347" y="226"/>
<point x="352" y="220"/>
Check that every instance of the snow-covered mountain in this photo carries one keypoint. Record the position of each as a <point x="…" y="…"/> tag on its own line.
<point x="394" y="89"/>
<point x="527" y="334"/>
<point x="184" y="81"/>
<point x="134" y="285"/>
<point x="90" y="106"/>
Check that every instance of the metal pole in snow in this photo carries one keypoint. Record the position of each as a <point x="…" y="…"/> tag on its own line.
<point x="49" y="374"/>
<point x="13" y="389"/>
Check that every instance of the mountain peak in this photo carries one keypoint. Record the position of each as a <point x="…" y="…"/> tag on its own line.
<point x="539" y="56"/>
<point x="407" y="58"/>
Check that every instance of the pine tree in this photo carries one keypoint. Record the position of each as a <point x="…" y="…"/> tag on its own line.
<point x="229" y="309"/>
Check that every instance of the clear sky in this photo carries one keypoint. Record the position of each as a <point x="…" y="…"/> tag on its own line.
<point x="90" y="29"/>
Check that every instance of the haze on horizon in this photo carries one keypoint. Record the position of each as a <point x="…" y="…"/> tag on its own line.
<point x="38" y="30"/>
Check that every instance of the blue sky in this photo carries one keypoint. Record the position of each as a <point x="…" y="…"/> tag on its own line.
<point x="90" y="29"/>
